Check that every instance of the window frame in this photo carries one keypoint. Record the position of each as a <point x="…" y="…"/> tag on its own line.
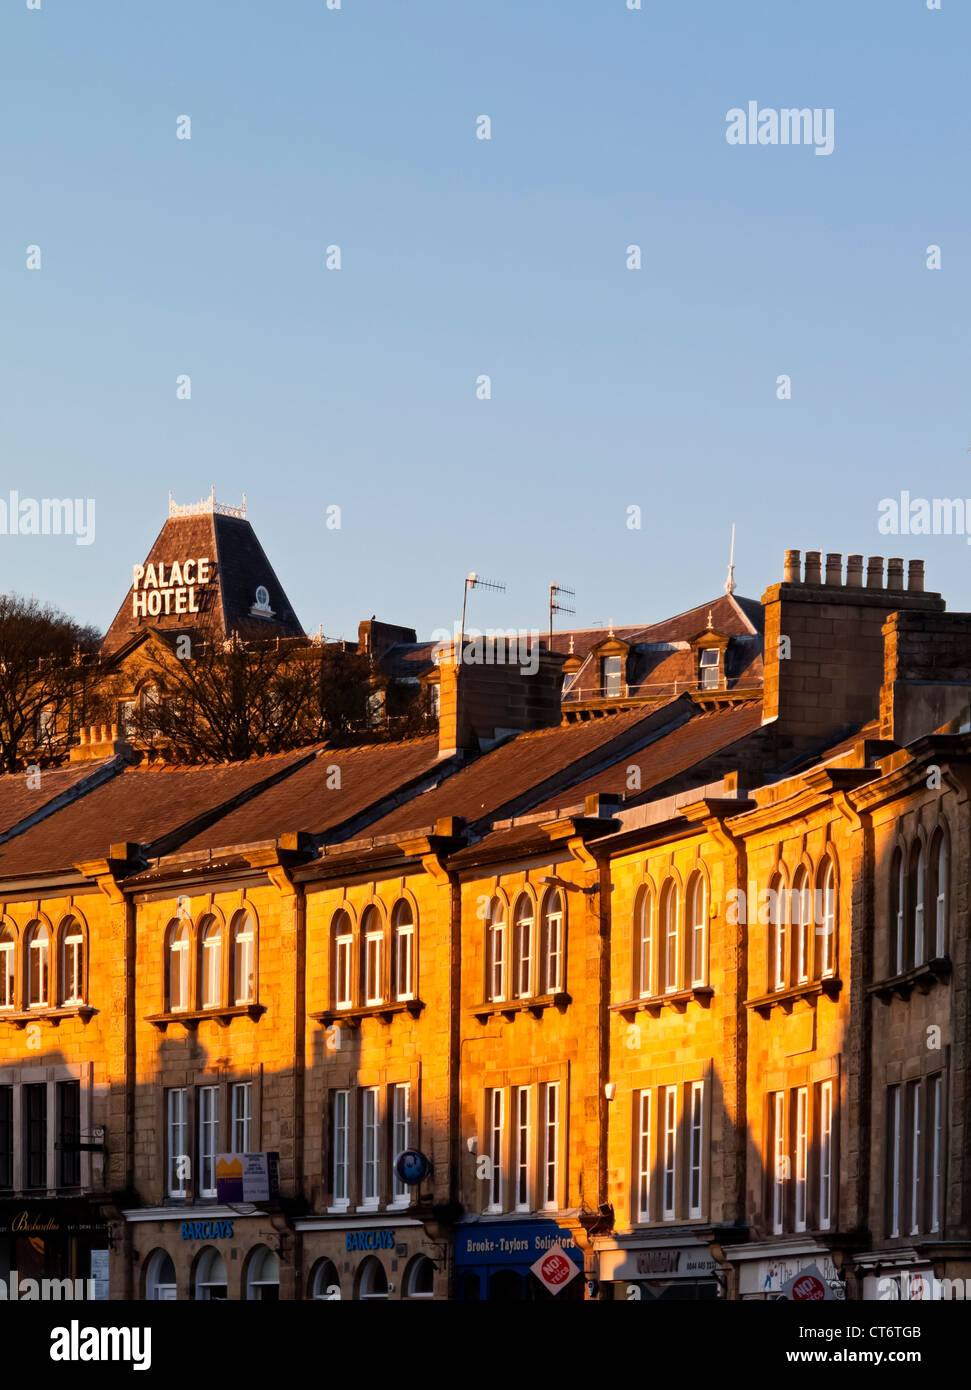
<point x="243" y="952"/>
<point x="34" y="941"/>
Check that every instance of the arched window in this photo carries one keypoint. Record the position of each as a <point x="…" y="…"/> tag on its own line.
<point x="915" y="955"/>
<point x="325" y="1284"/>
<point x="644" y="942"/>
<point x="801" y="911"/>
<point x="159" y="1276"/>
<point x="211" y="1278"/>
<point x="898" y="890"/>
<point x="419" y="1279"/>
<point x="372" y="959"/>
<point x="263" y="1275"/>
<point x="72" y="961"/>
<point x="244" y="959"/>
<point x="670" y="953"/>
<point x="826" y="927"/>
<point x="372" y="1282"/>
<point x="777" y="933"/>
<point x="38" y="964"/>
<point x="212" y="962"/>
<point x="403" y="949"/>
<point x="697" y="916"/>
<point x="938" y="892"/>
<point x="342" y="957"/>
<point x="496" y="951"/>
<point x="178" y="966"/>
<point x="523" y="946"/>
<point x="551" y="945"/>
<point x="8" y="966"/>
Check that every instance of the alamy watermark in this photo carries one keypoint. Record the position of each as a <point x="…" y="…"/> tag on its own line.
<point x="924" y="516"/>
<point x="48" y="516"/>
<point x="498" y="646"/>
<point x="13" y="1289"/>
<point x="789" y="125"/>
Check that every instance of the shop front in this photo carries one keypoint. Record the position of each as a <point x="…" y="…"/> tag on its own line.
<point x="651" y="1272"/>
<point x="494" y="1260"/>
<point x="53" y="1240"/>
<point x="387" y="1257"/>
<point x="210" y="1253"/>
<point x="768" y="1273"/>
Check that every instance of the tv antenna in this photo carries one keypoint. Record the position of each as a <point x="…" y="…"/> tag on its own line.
<point x="475" y="581"/>
<point x="558" y="607"/>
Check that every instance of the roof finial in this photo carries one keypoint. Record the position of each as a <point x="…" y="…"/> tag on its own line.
<point x="711" y="625"/>
<point x="730" y="581"/>
<point x="571" y="644"/>
<point x="611" y="632"/>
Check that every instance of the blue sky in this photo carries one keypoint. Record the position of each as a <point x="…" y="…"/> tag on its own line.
<point x="357" y="388"/>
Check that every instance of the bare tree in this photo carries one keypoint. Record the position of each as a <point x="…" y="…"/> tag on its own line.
<point x="44" y="668"/>
<point x="230" y="700"/>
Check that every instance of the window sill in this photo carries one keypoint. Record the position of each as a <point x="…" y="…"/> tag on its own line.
<point x="510" y="1007"/>
<point x="653" y="1003"/>
<point x="21" y="1017"/>
<point x="191" y="1018"/>
<point x="354" y="1016"/>
<point x="923" y="978"/>
<point x="785" y="998"/>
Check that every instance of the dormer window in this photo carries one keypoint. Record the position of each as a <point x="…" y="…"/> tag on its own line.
<point x="611" y="676"/>
<point x="709" y="668"/>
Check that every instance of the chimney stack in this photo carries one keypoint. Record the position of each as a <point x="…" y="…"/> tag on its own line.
<point x="825" y="678"/>
<point x="491" y="686"/>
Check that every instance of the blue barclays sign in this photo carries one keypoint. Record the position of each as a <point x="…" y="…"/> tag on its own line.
<point x="370" y="1240"/>
<point x="207" y="1230"/>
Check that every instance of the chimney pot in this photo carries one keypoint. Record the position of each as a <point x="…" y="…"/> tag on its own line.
<point x="104" y="733"/>
<point x="834" y="568"/>
<point x="874" y="572"/>
<point x="915" y="576"/>
<point x="895" y="573"/>
<point x="114" y="732"/>
<point x="814" y="563"/>
<point x="854" y="571"/>
<point x="84" y="736"/>
<point x="790" y="573"/>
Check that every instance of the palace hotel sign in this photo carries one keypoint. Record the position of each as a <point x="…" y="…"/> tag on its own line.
<point x="158" y="589"/>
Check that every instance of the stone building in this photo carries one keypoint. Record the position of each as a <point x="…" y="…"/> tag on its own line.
<point x="657" y="966"/>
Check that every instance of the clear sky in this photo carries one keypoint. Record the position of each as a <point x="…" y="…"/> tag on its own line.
<point x="611" y="387"/>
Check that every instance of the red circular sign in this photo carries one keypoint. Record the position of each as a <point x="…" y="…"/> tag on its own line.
<point x="808" y="1288"/>
<point x="556" y="1269"/>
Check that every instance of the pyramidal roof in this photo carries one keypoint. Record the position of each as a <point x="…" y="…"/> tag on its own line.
<point x="206" y="571"/>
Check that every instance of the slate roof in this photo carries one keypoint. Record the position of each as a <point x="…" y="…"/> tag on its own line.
<point x="238" y="566"/>
<point x="144" y="807"/>
<point x="370" y="776"/>
<point x="518" y="772"/>
<point x="21" y="800"/>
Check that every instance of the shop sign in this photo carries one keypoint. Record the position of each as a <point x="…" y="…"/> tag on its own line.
<point x="247" y="1177"/>
<point x="671" y="1262"/>
<point x="48" y="1219"/>
<point x="207" y="1230"/>
<point x="512" y="1243"/>
<point x="370" y="1240"/>
<point x="771" y="1276"/>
